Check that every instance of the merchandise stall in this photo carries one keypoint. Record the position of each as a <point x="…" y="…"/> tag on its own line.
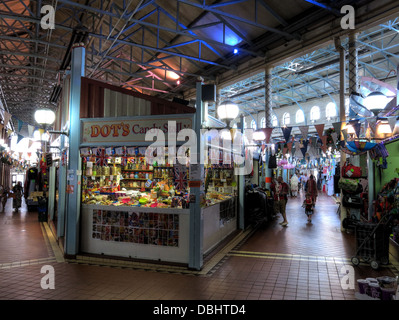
<point x="136" y="198"/>
<point x="220" y="204"/>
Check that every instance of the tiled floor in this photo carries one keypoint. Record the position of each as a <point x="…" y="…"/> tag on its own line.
<point x="303" y="261"/>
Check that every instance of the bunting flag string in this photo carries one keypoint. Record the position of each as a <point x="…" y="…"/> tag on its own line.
<point x="304" y="131"/>
<point x="286" y="133"/>
<point x="319" y="129"/>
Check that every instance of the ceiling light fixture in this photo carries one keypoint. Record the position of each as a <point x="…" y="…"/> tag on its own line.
<point x="227" y="110"/>
<point x="45" y="117"/>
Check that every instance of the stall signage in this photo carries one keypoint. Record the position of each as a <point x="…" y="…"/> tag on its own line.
<point x="131" y="130"/>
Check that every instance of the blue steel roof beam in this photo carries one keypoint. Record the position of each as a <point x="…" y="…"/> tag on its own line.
<point x="145" y="64"/>
<point x="234" y="29"/>
<point x="239" y="19"/>
<point x="326" y="7"/>
<point x="186" y="30"/>
<point x="13" y="26"/>
<point x="19" y="66"/>
<point x="137" y="7"/>
<point x="14" y="75"/>
<point x="176" y="50"/>
<point x="175" y="54"/>
<point x="379" y="50"/>
<point x="129" y="43"/>
<point x="151" y="25"/>
<point x="24" y="54"/>
<point x="273" y="13"/>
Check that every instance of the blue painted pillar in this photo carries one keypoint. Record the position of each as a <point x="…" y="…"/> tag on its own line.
<point x="74" y="161"/>
<point x="241" y="187"/>
<point x="196" y="219"/>
<point x="61" y="193"/>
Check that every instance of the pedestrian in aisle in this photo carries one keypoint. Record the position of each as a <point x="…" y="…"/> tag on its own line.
<point x="311" y="188"/>
<point x="280" y="190"/>
<point x="17" y="197"/>
<point x="4" y="193"/>
<point x="294" y="185"/>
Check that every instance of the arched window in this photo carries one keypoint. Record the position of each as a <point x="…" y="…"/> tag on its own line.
<point x="315" y="113"/>
<point x="263" y="122"/>
<point x="274" y="121"/>
<point x="331" y="110"/>
<point x="286" y="119"/>
<point x="299" y="116"/>
<point x="253" y="124"/>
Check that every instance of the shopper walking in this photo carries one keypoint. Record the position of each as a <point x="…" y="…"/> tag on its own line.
<point x="311" y="188"/>
<point x="294" y="185"/>
<point x="280" y="191"/>
<point x="17" y="197"/>
<point x="4" y="193"/>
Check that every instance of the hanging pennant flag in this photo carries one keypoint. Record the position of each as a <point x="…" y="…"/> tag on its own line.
<point x="371" y="123"/>
<point x="356" y="126"/>
<point x="324" y="140"/>
<point x="7" y="117"/>
<point x="345" y="134"/>
<point x="304" y="130"/>
<point x="319" y="129"/>
<point x="298" y="153"/>
<point x="392" y="122"/>
<point x="304" y="147"/>
<point x="20" y="124"/>
<point x="30" y="144"/>
<point x="30" y="130"/>
<point x="20" y="137"/>
<point x="286" y="133"/>
<point x="285" y="151"/>
<point x="268" y="134"/>
<point x="334" y="136"/>
<point x="337" y="127"/>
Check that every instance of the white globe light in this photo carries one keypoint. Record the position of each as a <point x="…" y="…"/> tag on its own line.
<point x="227" y="111"/>
<point x="45" y="116"/>
<point x="376" y="101"/>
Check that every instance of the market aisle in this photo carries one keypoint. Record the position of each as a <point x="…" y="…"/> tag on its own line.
<point x="21" y="237"/>
<point x="257" y="268"/>
<point x="321" y="237"/>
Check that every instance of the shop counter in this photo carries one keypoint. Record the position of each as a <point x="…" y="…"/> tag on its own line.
<point x="160" y="234"/>
<point x="220" y="220"/>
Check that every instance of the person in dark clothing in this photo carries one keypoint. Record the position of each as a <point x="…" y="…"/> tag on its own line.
<point x="4" y="193"/>
<point x="17" y="199"/>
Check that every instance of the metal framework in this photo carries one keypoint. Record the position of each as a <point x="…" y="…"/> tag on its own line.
<point x="161" y="47"/>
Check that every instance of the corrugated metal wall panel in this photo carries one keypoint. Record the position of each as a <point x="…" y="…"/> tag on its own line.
<point x="117" y="104"/>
